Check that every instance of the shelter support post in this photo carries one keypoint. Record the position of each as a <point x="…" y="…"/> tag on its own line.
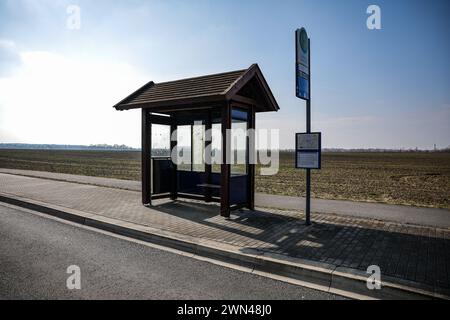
<point x="173" y="145"/>
<point x="146" y="157"/>
<point x="208" y="148"/>
<point x="251" y="160"/>
<point x="225" y="166"/>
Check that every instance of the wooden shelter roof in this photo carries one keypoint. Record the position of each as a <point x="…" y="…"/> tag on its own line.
<point x="247" y="86"/>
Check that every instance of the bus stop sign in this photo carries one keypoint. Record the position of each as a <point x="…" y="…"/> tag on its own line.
<point x="302" y="64"/>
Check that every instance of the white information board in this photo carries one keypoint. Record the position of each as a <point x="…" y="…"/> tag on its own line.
<point x="308" y="160"/>
<point x="308" y="141"/>
<point x="308" y="150"/>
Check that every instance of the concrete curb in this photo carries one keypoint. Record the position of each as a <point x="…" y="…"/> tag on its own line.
<point x="321" y="276"/>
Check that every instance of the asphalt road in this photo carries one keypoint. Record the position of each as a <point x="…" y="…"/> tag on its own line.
<point x="35" y="252"/>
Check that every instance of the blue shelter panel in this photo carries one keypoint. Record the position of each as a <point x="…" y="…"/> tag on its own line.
<point x="215" y="179"/>
<point x="188" y="181"/>
<point x="162" y="173"/>
<point x="238" y="189"/>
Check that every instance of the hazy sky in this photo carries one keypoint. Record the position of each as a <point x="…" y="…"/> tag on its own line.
<point x="370" y="88"/>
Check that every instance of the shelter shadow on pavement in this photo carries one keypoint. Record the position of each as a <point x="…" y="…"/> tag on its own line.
<point x="414" y="253"/>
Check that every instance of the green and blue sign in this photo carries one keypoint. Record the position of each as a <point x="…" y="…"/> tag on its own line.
<point x="302" y="85"/>
<point x="302" y="64"/>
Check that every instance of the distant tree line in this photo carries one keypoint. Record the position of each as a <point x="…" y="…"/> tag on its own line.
<point x="115" y="147"/>
<point x="166" y="152"/>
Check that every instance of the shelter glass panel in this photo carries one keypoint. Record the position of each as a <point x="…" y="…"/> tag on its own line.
<point x="183" y="152"/>
<point x="160" y="140"/>
<point x="239" y="146"/>
<point x="216" y="147"/>
<point x="198" y="147"/>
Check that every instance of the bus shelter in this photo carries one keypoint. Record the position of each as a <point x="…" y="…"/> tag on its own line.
<point x="195" y="141"/>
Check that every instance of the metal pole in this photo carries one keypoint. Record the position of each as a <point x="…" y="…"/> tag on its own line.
<point x="308" y="130"/>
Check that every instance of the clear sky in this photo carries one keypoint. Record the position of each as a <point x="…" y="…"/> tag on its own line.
<point x="387" y="88"/>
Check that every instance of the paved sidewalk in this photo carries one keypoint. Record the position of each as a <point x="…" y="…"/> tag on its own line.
<point x="433" y="217"/>
<point x="403" y="252"/>
<point x="397" y="213"/>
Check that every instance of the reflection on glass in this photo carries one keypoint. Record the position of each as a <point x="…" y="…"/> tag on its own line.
<point x="198" y="143"/>
<point x="160" y="140"/>
<point x="216" y="147"/>
<point x="239" y="145"/>
<point x="184" y="148"/>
